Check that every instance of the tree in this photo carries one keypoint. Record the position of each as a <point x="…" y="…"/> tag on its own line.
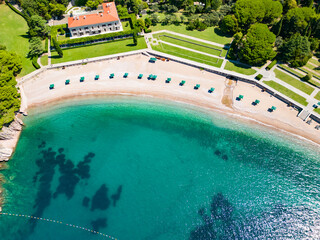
<point x="229" y="24"/>
<point x="249" y="12"/>
<point x="9" y="98"/>
<point x="296" y="51"/>
<point x="289" y="4"/>
<point x="273" y="10"/>
<point x="38" y="27"/>
<point x="257" y="45"/>
<point x="154" y="19"/>
<point x="35" y="47"/>
<point x="57" y="10"/>
<point x="147" y="22"/>
<point x="211" y="19"/>
<point x="92" y="4"/>
<point x="307" y="77"/>
<point x="140" y="24"/>
<point x="122" y="11"/>
<point x="215" y="4"/>
<point x="297" y="20"/>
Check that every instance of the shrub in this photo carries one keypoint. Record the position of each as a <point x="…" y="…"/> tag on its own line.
<point x="274" y="62"/>
<point x="34" y="62"/>
<point x="46" y="45"/>
<point x="307" y="77"/>
<point x="258" y="77"/>
<point x="135" y="39"/>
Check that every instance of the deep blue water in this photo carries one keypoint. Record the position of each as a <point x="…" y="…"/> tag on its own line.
<point x="141" y="169"/>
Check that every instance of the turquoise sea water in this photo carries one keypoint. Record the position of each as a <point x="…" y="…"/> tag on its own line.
<point x="141" y="169"/>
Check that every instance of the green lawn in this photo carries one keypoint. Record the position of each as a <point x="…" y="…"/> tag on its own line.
<point x="98" y="50"/>
<point x="197" y="57"/>
<point x="315" y="72"/>
<point x="209" y="34"/>
<point x="317" y="96"/>
<point x="44" y="60"/>
<point x="314" y="61"/>
<point x="317" y="110"/>
<point x="126" y="26"/>
<point x="239" y="68"/>
<point x="189" y="43"/>
<point x="13" y="34"/>
<point x="292" y="70"/>
<point x="287" y="92"/>
<point x="293" y="82"/>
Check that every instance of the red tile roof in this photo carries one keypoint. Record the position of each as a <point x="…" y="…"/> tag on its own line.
<point x="109" y="14"/>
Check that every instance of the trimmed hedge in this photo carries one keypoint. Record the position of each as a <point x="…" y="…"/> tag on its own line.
<point x="46" y="45"/>
<point x="54" y="29"/>
<point x="258" y="77"/>
<point x="25" y="16"/>
<point x="34" y="62"/>
<point x="56" y="46"/>
<point x="274" y="62"/>
<point x="96" y="37"/>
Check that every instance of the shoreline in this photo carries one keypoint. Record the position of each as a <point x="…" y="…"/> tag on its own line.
<point x="231" y="112"/>
<point x="35" y="92"/>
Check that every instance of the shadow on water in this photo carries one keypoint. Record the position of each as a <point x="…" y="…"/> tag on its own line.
<point x="99" y="223"/>
<point x="115" y="197"/>
<point x="70" y="176"/>
<point x="100" y="200"/>
<point x="278" y="222"/>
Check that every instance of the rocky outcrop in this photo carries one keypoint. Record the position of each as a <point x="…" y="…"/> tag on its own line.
<point x="8" y="139"/>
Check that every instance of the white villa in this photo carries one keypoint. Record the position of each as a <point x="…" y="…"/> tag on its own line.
<point x="97" y="23"/>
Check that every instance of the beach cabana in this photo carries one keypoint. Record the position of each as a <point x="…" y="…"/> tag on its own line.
<point x="273" y="108"/>
<point x="257" y="101"/>
<point x="125" y="75"/>
<point x="111" y="75"/>
<point x="152" y="60"/>
<point x="51" y="86"/>
<point x="140" y="76"/>
<point x="319" y="103"/>
<point x="96" y="77"/>
<point x="182" y="82"/>
<point x="81" y="79"/>
<point x="168" y="80"/>
<point x="197" y="86"/>
<point x="150" y="76"/>
<point x="154" y="77"/>
<point x="211" y="90"/>
<point x="67" y="81"/>
<point x="240" y="97"/>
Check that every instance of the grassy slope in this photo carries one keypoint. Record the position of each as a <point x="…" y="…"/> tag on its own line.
<point x="207" y="48"/>
<point x="197" y="57"/>
<point x="317" y="96"/>
<point x="13" y="34"/>
<point x="239" y="68"/>
<point x="98" y="50"/>
<point x="294" y="82"/>
<point x="287" y="92"/>
<point x="209" y="34"/>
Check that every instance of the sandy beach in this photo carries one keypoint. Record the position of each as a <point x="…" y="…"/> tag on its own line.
<point x="36" y="91"/>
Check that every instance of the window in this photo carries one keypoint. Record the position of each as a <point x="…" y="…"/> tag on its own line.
<point x="109" y="24"/>
<point x="103" y="25"/>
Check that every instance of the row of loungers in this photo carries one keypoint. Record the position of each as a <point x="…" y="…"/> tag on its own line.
<point x="151" y="77"/>
<point x="256" y="102"/>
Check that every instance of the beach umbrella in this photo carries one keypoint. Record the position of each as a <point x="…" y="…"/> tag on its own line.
<point x="96" y="77"/>
<point x="81" y="79"/>
<point x="168" y="80"/>
<point x="126" y="75"/>
<point x="211" y="90"/>
<point x="240" y="96"/>
<point x="140" y="76"/>
<point x="257" y="101"/>
<point x="67" y="81"/>
<point x="182" y="83"/>
<point x="51" y="86"/>
<point x="111" y="75"/>
<point x="197" y="86"/>
<point x="273" y="108"/>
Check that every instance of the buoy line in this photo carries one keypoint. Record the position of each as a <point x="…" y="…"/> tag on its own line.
<point x="58" y="222"/>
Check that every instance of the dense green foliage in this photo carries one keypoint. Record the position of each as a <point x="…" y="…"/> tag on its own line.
<point x="9" y="98"/>
<point x="296" y="50"/>
<point x="57" y="47"/>
<point x="257" y="46"/>
<point x="35" y="47"/>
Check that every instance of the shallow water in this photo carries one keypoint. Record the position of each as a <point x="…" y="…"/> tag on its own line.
<point x="137" y="169"/>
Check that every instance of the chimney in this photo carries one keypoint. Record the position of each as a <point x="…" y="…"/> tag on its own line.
<point x="77" y="17"/>
<point x="101" y="14"/>
<point x="74" y="18"/>
<point x="84" y="17"/>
